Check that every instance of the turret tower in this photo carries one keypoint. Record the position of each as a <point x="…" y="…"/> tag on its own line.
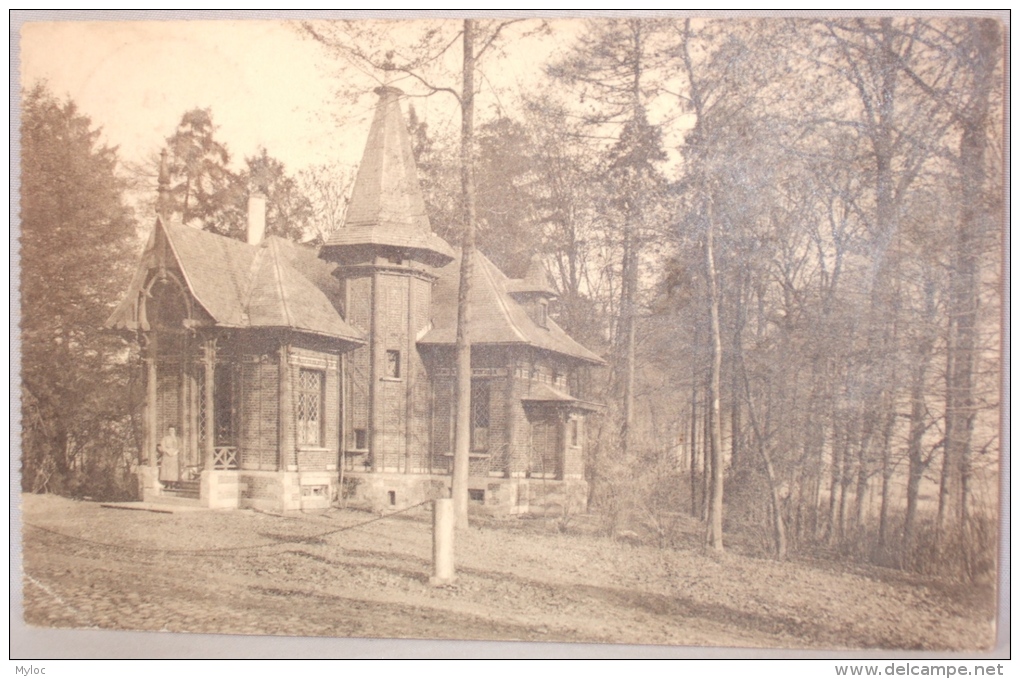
<point x="387" y="255"/>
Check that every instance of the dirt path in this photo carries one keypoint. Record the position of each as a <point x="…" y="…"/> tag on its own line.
<point x="516" y="581"/>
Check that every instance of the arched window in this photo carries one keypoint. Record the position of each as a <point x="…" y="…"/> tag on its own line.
<point x="167" y="305"/>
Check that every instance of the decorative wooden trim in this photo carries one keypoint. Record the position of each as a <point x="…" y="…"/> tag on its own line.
<point x="475" y="372"/>
<point x="210" y="404"/>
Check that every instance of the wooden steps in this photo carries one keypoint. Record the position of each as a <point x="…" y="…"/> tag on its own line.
<point x="184" y="490"/>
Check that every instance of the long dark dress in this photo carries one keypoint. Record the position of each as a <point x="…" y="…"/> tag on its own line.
<point x="170" y="466"/>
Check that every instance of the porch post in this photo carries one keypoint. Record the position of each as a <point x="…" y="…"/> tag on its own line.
<point x="190" y="367"/>
<point x="210" y="410"/>
<point x="286" y="419"/>
<point x="561" y="458"/>
<point x="151" y="433"/>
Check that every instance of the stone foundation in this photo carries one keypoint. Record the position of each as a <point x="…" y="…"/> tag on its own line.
<point x="220" y="489"/>
<point x="149" y="486"/>
<point x="382" y="492"/>
<point x="284" y="492"/>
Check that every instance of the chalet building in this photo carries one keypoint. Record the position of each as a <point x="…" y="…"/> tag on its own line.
<point x="292" y="375"/>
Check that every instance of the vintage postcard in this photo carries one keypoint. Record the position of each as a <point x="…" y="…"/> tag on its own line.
<point x="681" y="332"/>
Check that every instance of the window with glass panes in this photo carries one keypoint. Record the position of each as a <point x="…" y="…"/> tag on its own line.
<point x="479" y="415"/>
<point x="309" y="407"/>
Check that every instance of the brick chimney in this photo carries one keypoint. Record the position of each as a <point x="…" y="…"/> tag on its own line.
<point x="256" y="218"/>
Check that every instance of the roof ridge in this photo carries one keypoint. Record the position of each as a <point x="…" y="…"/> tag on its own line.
<point x="231" y="269"/>
<point x="279" y="283"/>
<point x="253" y="277"/>
<point x="499" y="298"/>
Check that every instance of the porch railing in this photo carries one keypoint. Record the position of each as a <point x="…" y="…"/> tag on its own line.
<point x="225" y="457"/>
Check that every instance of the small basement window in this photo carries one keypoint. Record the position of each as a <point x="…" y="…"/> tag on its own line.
<point x="314" y="491"/>
<point x="476" y="494"/>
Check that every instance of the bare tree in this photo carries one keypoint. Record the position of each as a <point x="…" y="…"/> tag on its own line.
<point x="423" y="68"/>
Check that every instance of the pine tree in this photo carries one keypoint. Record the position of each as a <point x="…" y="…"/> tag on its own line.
<point x="202" y="187"/>
<point x="289" y="211"/>
<point x="76" y="236"/>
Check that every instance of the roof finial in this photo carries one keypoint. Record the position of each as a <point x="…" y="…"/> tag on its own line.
<point x="387" y="209"/>
<point x="163" y="191"/>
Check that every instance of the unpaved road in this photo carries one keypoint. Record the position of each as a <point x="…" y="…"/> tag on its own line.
<point x="242" y="572"/>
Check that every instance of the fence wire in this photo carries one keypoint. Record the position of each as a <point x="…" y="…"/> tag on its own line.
<point x="222" y="550"/>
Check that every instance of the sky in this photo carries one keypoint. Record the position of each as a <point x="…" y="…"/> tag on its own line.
<point x="265" y="83"/>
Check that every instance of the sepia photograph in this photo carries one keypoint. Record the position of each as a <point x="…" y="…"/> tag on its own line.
<point x="583" y="333"/>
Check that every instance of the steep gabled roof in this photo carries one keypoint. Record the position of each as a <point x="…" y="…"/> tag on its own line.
<point x="217" y="270"/>
<point x="274" y="285"/>
<point x="495" y="317"/>
<point x="387" y="207"/>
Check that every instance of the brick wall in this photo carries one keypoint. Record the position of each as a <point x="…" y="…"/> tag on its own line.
<point x="442" y="424"/>
<point x="259" y="396"/>
<point x="519" y="447"/>
<point x="545" y="441"/>
<point x="573" y="456"/>
<point x="390" y="442"/>
<point x="358" y="367"/>
<point x="420" y="424"/>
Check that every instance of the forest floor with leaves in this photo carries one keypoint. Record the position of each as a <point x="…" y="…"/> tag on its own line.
<point x="331" y="574"/>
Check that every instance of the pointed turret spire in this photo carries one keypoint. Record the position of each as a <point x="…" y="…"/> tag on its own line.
<point x="387" y="215"/>
<point x="536" y="281"/>
<point x="163" y="188"/>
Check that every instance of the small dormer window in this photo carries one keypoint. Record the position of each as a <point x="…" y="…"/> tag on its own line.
<point x="538" y="311"/>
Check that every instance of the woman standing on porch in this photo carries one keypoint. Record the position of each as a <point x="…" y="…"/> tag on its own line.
<point x="169" y="466"/>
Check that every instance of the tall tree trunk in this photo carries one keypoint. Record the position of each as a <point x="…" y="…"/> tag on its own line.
<point x="628" y="303"/>
<point x="845" y="480"/>
<point x="736" y="433"/>
<point x="864" y="463"/>
<point x="778" y="521"/>
<point x="715" y="505"/>
<point x="627" y="335"/>
<point x="887" y="472"/>
<point x="694" y="445"/>
<point x="462" y="432"/>
<point x="983" y="44"/>
<point x="775" y="501"/>
<point x="706" y="460"/>
<point x="834" y="478"/>
<point x="915" y="459"/>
